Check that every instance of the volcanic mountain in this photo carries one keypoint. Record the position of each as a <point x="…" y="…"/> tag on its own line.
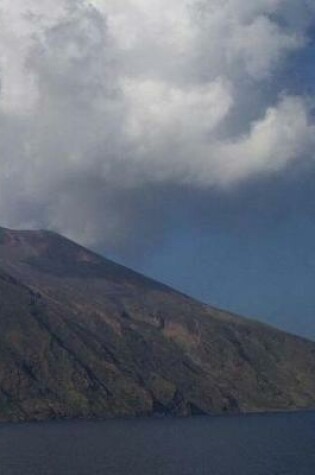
<point x="81" y="336"/>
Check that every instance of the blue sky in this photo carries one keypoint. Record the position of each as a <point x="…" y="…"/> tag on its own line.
<point x="258" y="262"/>
<point x="270" y="278"/>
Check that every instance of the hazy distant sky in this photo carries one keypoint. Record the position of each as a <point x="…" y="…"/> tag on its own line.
<point x="176" y="136"/>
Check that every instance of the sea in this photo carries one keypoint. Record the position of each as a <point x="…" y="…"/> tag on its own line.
<point x="264" y="444"/>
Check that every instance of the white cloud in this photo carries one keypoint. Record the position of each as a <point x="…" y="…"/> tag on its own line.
<point x="285" y="134"/>
<point x="100" y="99"/>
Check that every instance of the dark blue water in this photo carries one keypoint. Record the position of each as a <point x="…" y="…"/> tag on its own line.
<point x="278" y="444"/>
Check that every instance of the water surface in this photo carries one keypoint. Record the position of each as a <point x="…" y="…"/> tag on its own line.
<point x="273" y="444"/>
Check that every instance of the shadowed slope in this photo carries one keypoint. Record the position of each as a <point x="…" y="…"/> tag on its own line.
<point x="84" y="337"/>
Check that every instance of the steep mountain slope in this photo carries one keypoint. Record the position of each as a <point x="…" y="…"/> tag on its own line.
<point x="81" y="336"/>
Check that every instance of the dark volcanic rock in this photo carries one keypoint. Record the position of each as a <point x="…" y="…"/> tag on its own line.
<point x="81" y="336"/>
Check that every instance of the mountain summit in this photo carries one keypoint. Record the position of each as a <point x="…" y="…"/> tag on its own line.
<point x="81" y="336"/>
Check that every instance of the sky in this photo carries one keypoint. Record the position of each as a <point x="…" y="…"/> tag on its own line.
<point x="176" y="137"/>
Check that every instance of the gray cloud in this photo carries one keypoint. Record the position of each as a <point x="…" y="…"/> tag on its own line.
<point x="108" y="107"/>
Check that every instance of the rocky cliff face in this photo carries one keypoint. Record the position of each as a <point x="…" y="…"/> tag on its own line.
<point x="81" y="336"/>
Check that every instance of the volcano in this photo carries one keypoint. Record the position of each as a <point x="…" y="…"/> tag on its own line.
<point x="84" y="337"/>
